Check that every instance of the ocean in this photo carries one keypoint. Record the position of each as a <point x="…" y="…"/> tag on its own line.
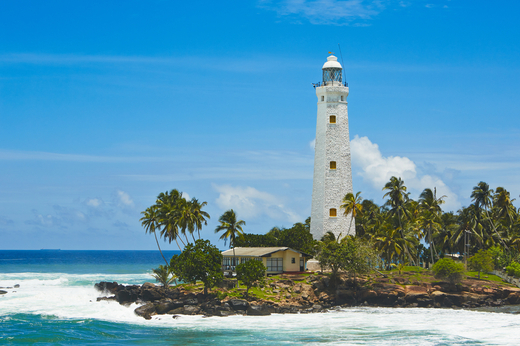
<point x="55" y="304"/>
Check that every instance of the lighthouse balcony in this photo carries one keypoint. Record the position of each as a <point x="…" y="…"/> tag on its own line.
<point x="329" y="83"/>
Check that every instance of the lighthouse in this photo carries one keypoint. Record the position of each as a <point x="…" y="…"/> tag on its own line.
<point x="332" y="170"/>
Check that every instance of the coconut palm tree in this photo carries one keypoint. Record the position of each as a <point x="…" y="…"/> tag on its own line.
<point x="353" y="206"/>
<point x="389" y="242"/>
<point x="163" y="274"/>
<point x="150" y="222"/>
<point x="504" y="204"/>
<point x="168" y="205"/>
<point x="232" y="229"/>
<point x="430" y="208"/>
<point x="199" y="216"/>
<point x="397" y="199"/>
<point x="482" y="196"/>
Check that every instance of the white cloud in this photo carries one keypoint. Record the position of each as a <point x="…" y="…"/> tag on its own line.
<point x="250" y="203"/>
<point x="337" y="12"/>
<point x="378" y="169"/>
<point x="93" y="202"/>
<point x="62" y="217"/>
<point x="124" y="199"/>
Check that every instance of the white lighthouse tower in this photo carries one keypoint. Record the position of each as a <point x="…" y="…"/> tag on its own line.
<point x="332" y="170"/>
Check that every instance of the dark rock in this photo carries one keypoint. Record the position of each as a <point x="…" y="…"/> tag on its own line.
<point x="16" y="286"/>
<point x="345" y="296"/>
<point x="147" y="285"/>
<point x="447" y="302"/>
<point x="106" y="298"/>
<point x="106" y="286"/>
<point x="127" y="295"/>
<point x="318" y="285"/>
<point x="3" y="292"/>
<point x="317" y="308"/>
<point x="145" y="311"/>
<point x="224" y="313"/>
<point x="424" y="302"/>
<point x="191" y="301"/>
<point x="238" y="304"/>
<point x="326" y="281"/>
<point x="176" y="311"/>
<point x="165" y="305"/>
<point x="152" y="294"/>
<point x="258" y="310"/>
<point x="191" y="309"/>
<point x="513" y="298"/>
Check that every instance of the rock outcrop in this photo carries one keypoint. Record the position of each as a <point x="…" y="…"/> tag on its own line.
<point x="314" y="293"/>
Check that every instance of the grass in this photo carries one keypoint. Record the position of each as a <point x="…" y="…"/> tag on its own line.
<point x="484" y="276"/>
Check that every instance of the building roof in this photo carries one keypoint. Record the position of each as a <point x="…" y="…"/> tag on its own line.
<point x="332" y="62"/>
<point x="258" y="251"/>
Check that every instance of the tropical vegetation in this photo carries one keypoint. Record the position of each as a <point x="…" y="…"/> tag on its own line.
<point x="398" y="233"/>
<point x="251" y="272"/>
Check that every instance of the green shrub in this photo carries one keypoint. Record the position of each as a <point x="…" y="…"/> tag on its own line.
<point x="481" y="262"/>
<point x="251" y="272"/>
<point x="513" y="269"/>
<point x="447" y="269"/>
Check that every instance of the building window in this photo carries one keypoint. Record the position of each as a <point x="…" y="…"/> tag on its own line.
<point x="332" y="119"/>
<point x="274" y="264"/>
<point x="322" y="98"/>
<point x="332" y="164"/>
<point x="293" y="260"/>
<point x="332" y="212"/>
<point x="341" y="98"/>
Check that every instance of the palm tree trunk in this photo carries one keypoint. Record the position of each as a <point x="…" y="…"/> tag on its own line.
<point x="431" y="244"/>
<point x="494" y="229"/>
<point x="167" y="264"/>
<point x="180" y="249"/>
<point x="402" y="236"/>
<point x="350" y="225"/>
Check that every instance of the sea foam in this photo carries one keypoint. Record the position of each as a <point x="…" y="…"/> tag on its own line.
<point x="73" y="297"/>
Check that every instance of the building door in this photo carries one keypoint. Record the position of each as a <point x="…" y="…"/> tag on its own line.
<point x="302" y="264"/>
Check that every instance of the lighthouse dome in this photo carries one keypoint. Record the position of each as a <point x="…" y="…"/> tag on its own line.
<point x="332" y="62"/>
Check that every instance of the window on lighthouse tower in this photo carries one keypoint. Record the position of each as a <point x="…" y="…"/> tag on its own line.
<point x="332" y="165"/>
<point x="332" y="212"/>
<point x="332" y="119"/>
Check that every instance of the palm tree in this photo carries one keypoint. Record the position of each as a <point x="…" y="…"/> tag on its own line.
<point x="150" y="222"/>
<point x="168" y="205"/>
<point x="430" y="207"/>
<point x="328" y="237"/>
<point x="468" y="224"/>
<point x="397" y="199"/>
<point x="390" y="244"/>
<point x="199" y="215"/>
<point x="504" y="204"/>
<point x="481" y="195"/>
<point x="232" y="229"/>
<point x="353" y="206"/>
<point x="163" y="274"/>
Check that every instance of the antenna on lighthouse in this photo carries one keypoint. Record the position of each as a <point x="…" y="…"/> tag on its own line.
<point x="342" y="63"/>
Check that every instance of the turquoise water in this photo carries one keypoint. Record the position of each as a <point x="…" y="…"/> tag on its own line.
<point x="56" y="304"/>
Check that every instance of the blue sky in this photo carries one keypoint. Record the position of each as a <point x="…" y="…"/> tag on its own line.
<point x="105" y="104"/>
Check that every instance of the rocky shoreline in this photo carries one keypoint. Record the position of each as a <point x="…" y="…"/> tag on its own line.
<point x="313" y="293"/>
